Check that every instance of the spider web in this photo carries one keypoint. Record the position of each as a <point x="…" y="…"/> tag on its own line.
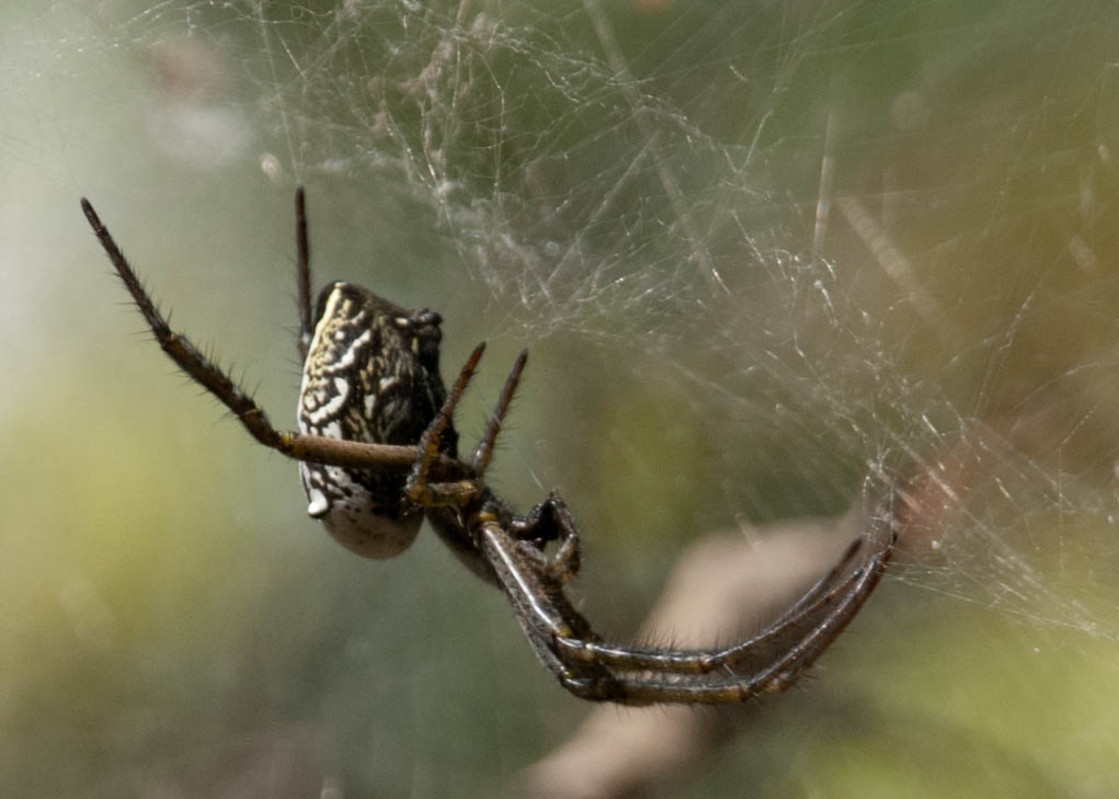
<point x="737" y="218"/>
<point x="764" y="254"/>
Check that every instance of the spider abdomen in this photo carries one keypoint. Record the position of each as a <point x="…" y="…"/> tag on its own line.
<point x="371" y="375"/>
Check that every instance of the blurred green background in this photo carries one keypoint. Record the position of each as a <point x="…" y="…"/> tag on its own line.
<point x="758" y="251"/>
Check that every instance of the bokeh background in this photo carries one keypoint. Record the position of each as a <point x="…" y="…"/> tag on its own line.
<point x="764" y="255"/>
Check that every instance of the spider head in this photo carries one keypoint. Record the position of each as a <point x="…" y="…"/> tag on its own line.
<point x="371" y="374"/>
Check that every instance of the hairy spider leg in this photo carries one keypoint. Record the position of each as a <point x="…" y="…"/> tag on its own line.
<point x="547" y="521"/>
<point x="776" y="638"/>
<point x="483" y="453"/>
<point x="303" y="273"/>
<point x="418" y="489"/>
<point x="791" y="635"/>
<point x="784" y="673"/>
<point x="181" y="350"/>
<point x="548" y="620"/>
<point x="825" y="584"/>
<point x="298" y="446"/>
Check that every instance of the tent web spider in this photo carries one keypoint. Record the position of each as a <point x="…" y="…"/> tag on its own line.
<point x="378" y="453"/>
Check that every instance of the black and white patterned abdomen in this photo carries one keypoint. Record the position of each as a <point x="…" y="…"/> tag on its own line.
<point x="372" y="374"/>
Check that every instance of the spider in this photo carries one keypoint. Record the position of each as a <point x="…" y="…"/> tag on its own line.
<point x="378" y="453"/>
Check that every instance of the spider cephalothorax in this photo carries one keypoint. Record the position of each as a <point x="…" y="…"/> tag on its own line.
<point x="378" y="452"/>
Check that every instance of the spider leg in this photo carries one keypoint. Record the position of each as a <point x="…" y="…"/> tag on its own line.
<point x="766" y="672"/>
<point x="316" y="449"/>
<point x="828" y="581"/>
<point x="767" y="663"/>
<point x="303" y="273"/>
<point x="784" y="673"/>
<point x="181" y="350"/>
<point x="825" y="584"/>
<point x="483" y="453"/>
<point x="418" y="489"/>
<point x="783" y="641"/>
<point x="542" y="609"/>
